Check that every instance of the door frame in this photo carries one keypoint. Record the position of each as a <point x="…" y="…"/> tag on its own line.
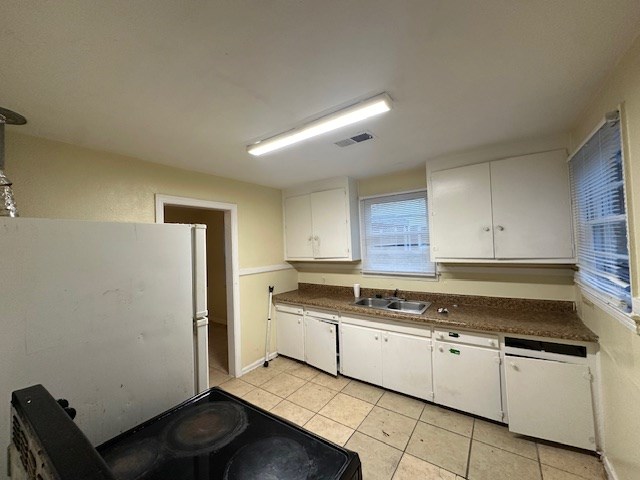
<point x="231" y="263"/>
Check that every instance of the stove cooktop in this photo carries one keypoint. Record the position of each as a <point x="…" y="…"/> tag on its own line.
<point x="218" y="436"/>
<point x="211" y="436"/>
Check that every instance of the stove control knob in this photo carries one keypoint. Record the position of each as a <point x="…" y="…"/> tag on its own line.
<point x="64" y="403"/>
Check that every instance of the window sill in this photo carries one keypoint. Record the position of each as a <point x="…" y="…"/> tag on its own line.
<point x="434" y="277"/>
<point x="629" y="320"/>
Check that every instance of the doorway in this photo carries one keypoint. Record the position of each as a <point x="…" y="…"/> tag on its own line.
<point x="222" y="272"/>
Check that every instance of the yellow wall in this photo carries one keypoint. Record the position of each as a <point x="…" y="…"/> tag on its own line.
<point x="57" y="180"/>
<point x="619" y="347"/>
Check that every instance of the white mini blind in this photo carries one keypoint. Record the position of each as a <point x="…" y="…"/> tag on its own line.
<point x="395" y="234"/>
<point x="598" y="197"/>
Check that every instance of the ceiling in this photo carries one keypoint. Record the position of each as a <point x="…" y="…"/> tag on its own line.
<point x="191" y="83"/>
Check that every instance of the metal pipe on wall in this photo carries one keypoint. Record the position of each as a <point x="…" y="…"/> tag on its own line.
<point x="7" y="202"/>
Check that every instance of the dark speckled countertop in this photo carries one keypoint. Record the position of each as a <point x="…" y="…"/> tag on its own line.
<point x="543" y="318"/>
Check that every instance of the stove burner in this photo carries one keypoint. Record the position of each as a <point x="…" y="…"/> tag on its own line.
<point x="275" y="458"/>
<point x="132" y="461"/>
<point x="207" y="427"/>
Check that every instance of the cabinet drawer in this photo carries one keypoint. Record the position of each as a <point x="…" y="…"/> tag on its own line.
<point x="289" y="309"/>
<point x="467" y="338"/>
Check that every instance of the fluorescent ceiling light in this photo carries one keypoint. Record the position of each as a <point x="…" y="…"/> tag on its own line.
<point x="347" y="116"/>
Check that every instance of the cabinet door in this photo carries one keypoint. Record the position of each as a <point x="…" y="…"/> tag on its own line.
<point x="532" y="207"/>
<point x="361" y="354"/>
<point x="461" y="213"/>
<point x="329" y="213"/>
<point x="406" y="364"/>
<point x="290" y="334"/>
<point x="297" y="226"/>
<point x="467" y="378"/>
<point x="320" y="344"/>
<point x="550" y="400"/>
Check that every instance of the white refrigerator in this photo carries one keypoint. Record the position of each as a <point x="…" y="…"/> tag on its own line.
<point x="111" y="316"/>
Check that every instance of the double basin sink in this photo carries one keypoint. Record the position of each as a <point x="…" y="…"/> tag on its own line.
<point x="394" y="305"/>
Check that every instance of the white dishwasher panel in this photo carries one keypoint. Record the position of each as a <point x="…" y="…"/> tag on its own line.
<point x="550" y="400"/>
<point x="467" y="378"/>
<point x="320" y="344"/>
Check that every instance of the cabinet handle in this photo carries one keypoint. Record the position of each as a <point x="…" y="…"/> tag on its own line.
<point x="486" y="229"/>
<point x="376" y="337"/>
<point x="386" y="339"/>
<point x="299" y="321"/>
<point x="310" y="238"/>
<point x="331" y="329"/>
<point x="500" y="228"/>
<point x="441" y="349"/>
<point x="514" y="365"/>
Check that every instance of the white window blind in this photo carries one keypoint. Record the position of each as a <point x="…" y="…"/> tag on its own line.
<point x="598" y="197"/>
<point x="395" y="234"/>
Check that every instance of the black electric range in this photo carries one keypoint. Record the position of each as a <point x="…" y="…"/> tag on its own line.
<point x="216" y="435"/>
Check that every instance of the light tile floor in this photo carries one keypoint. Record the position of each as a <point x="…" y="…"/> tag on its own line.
<point x="400" y="437"/>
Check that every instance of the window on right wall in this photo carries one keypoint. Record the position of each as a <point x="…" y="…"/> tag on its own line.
<point x="600" y="217"/>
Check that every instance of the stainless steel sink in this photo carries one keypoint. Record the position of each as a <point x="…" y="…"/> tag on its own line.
<point x="404" y="306"/>
<point x="409" y="307"/>
<point x="373" y="302"/>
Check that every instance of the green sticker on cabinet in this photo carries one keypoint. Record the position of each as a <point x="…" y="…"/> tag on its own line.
<point x="454" y="351"/>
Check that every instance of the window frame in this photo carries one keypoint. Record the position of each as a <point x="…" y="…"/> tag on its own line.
<point x="380" y="273"/>
<point x="604" y="300"/>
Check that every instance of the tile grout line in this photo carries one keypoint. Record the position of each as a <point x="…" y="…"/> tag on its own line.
<point x="473" y="427"/>
<point x="539" y="462"/>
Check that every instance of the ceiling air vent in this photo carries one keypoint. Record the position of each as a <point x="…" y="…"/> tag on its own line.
<point x="361" y="137"/>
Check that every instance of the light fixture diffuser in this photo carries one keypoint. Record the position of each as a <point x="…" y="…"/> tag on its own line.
<point x="347" y="116"/>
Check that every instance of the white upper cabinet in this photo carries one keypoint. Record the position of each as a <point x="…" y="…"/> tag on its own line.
<point x="461" y="216"/>
<point x="298" y="230"/>
<point x="321" y="221"/>
<point x="516" y="209"/>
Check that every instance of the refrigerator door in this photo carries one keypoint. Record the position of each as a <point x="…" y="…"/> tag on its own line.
<point x="100" y="314"/>
<point x="200" y="313"/>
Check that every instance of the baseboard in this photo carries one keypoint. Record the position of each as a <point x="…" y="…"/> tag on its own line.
<point x="608" y="468"/>
<point x="258" y="363"/>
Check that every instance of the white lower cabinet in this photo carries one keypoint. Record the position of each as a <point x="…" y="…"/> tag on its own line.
<point x="550" y="400"/>
<point x="467" y="378"/>
<point x="290" y="331"/>
<point x="395" y="360"/>
<point x="406" y="364"/>
<point x="361" y="353"/>
<point x="320" y="344"/>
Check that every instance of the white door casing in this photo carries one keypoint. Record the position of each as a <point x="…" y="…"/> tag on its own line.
<point x="232" y="267"/>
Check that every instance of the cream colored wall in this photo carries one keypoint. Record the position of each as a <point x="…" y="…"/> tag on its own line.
<point x="619" y="347"/>
<point x="499" y="281"/>
<point x="57" y="180"/>
<point x="254" y="317"/>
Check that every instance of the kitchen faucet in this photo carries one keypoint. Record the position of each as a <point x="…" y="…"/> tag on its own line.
<point x="395" y="295"/>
